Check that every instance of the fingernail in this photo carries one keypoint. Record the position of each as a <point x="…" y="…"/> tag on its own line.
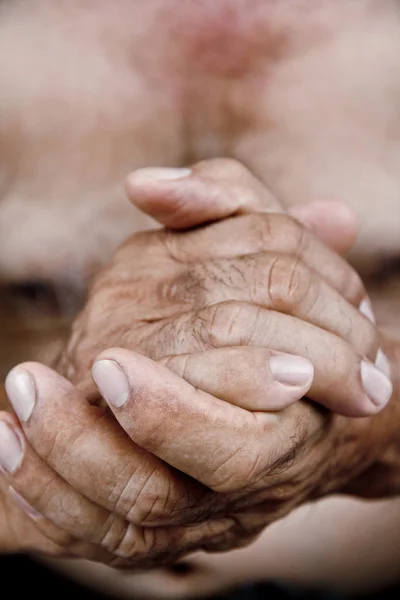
<point x="111" y="381"/>
<point x="383" y="363"/>
<point x="24" y="506"/>
<point x="378" y="387"/>
<point x="21" y="391"/>
<point x="291" y="370"/>
<point x="157" y="174"/>
<point x="367" y="311"/>
<point x="10" y="448"/>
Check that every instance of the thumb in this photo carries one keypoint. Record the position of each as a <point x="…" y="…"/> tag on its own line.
<point x="256" y="379"/>
<point x="185" y="198"/>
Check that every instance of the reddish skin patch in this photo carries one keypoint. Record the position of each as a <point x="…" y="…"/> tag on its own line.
<point x="231" y="38"/>
<point x="224" y="38"/>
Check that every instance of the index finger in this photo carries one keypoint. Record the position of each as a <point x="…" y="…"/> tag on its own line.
<point x="256" y="379"/>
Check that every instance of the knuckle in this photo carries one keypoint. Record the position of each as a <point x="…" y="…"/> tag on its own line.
<point x="226" y="324"/>
<point x="242" y="467"/>
<point x="218" y="536"/>
<point x="63" y="511"/>
<point x="146" y="502"/>
<point x="259" y="231"/>
<point x="64" y="541"/>
<point x="287" y="232"/>
<point x="289" y="283"/>
<point x="171" y="243"/>
<point x="58" y="447"/>
<point x="190" y="287"/>
<point x="293" y="232"/>
<point x="276" y="231"/>
<point x="120" y="538"/>
<point x="211" y="282"/>
<point x="179" y="364"/>
<point x="142" y="545"/>
<point x="227" y="478"/>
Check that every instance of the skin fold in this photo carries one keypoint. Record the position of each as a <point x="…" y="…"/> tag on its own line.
<point x="286" y="101"/>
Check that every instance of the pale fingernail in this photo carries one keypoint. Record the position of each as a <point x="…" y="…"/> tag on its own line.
<point x="382" y="363"/>
<point x="367" y="311"/>
<point x="111" y="381"/>
<point x="291" y="370"/>
<point x="157" y="174"/>
<point x="24" y="506"/>
<point x="378" y="387"/>
<point x="21" y="392"/>
<point x="11" y="453"/>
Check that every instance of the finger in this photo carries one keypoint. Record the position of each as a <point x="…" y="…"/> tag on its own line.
<point x="344" y="381"/>
<point x="67" y="518"/>
<point x="47" y="501"/>
<point x="253" y="378"/>
<point x="333" y="221"/>
<point x="273" y="233"/>
<point x="219" y="444"/>
<point x="209" y="191"/>
<point x="18" y="530"/>
<point x="256" y="379"/>
<point x="282" y="283"/>
<point x="89" y="451"/>
<point x="219" y="188"/>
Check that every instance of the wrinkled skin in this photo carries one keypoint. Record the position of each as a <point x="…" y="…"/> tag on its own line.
<point x="145" y="103"/>
<point x="169" y="293"/>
